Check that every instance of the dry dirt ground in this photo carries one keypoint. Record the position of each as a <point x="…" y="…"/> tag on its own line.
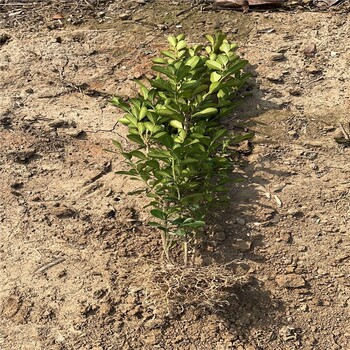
<point x="75" y="252"/>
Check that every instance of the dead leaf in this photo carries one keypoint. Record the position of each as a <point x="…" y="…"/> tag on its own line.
<point x="278" y="201"/>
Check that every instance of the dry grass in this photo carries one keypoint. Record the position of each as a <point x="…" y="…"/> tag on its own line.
<point x="173" y="289"/>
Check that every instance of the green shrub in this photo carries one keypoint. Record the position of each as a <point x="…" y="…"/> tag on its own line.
<point x="181" y="148"/>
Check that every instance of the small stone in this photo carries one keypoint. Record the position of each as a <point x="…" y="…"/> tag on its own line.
<point x="312" y="69"/>
<point x="63" y="212"/>
<point x="76" y="133"/>
<point x="288" y="333"/>
<point x="4" y="38"/>
<point x="219" y="236"/>
<point x="150" y="339"/>
<point x="290" y="269"/>
<point x="278" y="57"/>
<point x="279" y="187"/>
<point x="291" y="281"/>
<point x="295" y="92"/>
<point x="178" y="339"/>
<point x="286" y="237"/>
<point x="310" y="50"/>
<point x="59" y="123"/>
<point x="334" y="54"/>
<point x="22" y="156"/>
<point x="304" y="308"/>
<point x="243" y="246"/>
<point x="275" y="78"/>
<point x="240" y="221"/>
<point x="124" y="16"/>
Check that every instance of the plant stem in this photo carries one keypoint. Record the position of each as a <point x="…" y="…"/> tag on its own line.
<point x="185" y="252"/>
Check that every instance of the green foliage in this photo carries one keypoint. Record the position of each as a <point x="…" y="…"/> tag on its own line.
<point x="181" y="148"/>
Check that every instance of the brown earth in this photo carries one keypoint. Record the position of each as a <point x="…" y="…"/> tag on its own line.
<point x="75" y="252"/>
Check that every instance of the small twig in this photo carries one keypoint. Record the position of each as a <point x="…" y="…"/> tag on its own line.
<point x="102" y="130"/>
<point x="346" y="134"/>
<point x="187" y="10"/>
<point x="50" y="264"/>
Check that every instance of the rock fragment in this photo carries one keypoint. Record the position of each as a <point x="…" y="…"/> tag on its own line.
<point x="291" y="281"/>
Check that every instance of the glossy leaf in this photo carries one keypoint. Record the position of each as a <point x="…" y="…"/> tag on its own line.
<point x="214" y="65"/>
<point x="159" y="214"/>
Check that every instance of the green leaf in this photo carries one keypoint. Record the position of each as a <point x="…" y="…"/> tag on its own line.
<point x="222" y="59"/>
<point x="164" y="70"/>
<point x="159" y="214"/>
<point x="117" y="101"/>
<point x="132" y="193"/>
<point x="215" y="86"/>
<point x="124" y="121"/>
<point x="218" y="134"/>
<point x="141" y="128"/>
<point x="214" y="77"/>
<point x="143" y="112"/>
<point x="206" y="112"/>
<point x="136" y="138"/>
<point x="138" y="154"/>
<point x="236" y="67"/>
<point x="165" y="112"/>
<point x="213" y="65"/>
<point x="169" y="54"/>
<point x="131" y="172"/>
<point x="165" y="139"/>
<point x="191" y="84"/>
<point x="190" y="160"/>
<point x="154" y="153"/>
<point x="161" y="84"/>
<point x="241" y="138"/>
<point x="193" y="224"/>
<point x="162" y="173"/>
<point x="183" y="70"/>
<point x="143" y="88"/>
<point x="181" y="37"/>
<point x="210" y="39"/>
<point x="118" y="145"/>
<point x="225" y="47"/>
<point x="176" y="124"/>
<point x="159" y="60"/>
<point x="181" y="45"/>
<point x="172" y="41"/>
<point x="132" y="119"/>
<point x="193" y="61"/>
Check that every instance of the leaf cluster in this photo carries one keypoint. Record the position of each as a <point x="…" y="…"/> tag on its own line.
<point x="181" y="151"/>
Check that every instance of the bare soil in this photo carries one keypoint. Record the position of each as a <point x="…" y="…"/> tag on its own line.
<point x="76" y="254"/>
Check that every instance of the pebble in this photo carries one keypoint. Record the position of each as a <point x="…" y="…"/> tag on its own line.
<point x="312" y="69"/>
<point x="63" y="212"/>
<point x="278" y="57"/>
<point x="4" y="38"/>
<point x="243" y="246"/>
<point x="310" y="50"/>
<point x="240" y="221"/>
<point x="291" y="281"/>
<point x="275" y="78"/>
<point x="124" y="16"/>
